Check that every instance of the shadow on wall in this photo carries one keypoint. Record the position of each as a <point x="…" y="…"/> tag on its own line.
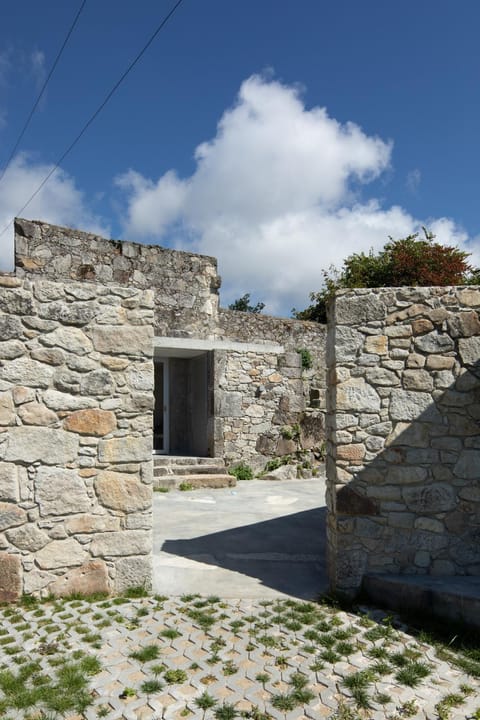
<point x="406" y="447"/>
<point x="286" y="554"/>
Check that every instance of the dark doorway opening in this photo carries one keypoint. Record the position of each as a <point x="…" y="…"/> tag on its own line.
<point x="183" y="420"/>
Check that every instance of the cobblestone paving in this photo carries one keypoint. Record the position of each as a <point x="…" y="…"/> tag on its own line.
<point x="164" y="658"/>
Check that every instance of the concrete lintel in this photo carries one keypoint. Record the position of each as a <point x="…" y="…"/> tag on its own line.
<point x="173" y="345"/>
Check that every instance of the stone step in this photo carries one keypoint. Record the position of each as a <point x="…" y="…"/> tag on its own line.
<point x="454" y="598"/>
<point x="162" y="460"/>
<point x="206" y="480"/>
<point x="165" y="470"/>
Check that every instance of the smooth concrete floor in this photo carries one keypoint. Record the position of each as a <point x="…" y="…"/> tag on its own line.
<point x="260" y="539"/>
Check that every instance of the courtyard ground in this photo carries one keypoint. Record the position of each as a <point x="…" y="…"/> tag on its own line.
<point x="256" y="540"/>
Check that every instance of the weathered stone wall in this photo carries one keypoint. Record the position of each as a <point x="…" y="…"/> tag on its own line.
<point x="76" y="381"/>
<point x="403" y="434"/>
<point x="267" y="404"/>
<point x="293" y="335"/>
<point x="186" y="285"/>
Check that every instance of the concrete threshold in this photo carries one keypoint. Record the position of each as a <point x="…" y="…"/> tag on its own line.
<point x="452" y="598"/>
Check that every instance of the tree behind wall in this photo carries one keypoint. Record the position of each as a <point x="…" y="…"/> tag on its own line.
<point x="409" y="261"/>
<point x="243" y="305"/>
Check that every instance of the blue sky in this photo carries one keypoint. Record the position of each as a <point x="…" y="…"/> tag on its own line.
<point x="279" y="136"/>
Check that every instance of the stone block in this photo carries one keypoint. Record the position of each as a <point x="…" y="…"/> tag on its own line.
<point x="468" y="465"/>
<point x="35" y="413"/>
<point x="429" y="524"/>
<point x="68" y="338"/>
<point x="11" y="515"/>
<point x="422" y="558"/>
<point x="22" y="395"/>
<point x="133" y="572"/>
<point x="417" y="380"/>
<point x="9" y="490"/>
<point x="49" y="356"/>
<point x="352" y="452"/>
<point x="421" y="326"/>
<point x="348" y="343"/>
<point x="229" y="404"/>
<point x="434" y="342"/>
<point x="122" y="340"/>
<point x="28" y="537"/>
<point x="409" y="404"/>
<point x="356" y="395"/>
<point x="98" y="382"/>
<point x="125" y="450"/>
<point x="382" y="376"/>
<point x="93" y="422"/>
<point x="377" y="344"/>
<point x="60" y="491"/>
<point x="120" y="491"/>
<point x="285" y="472"/>
<point x="434" y="498"/>
<point x="415" y="361"/>
<point x="10" y="577"/>
<point x="440" y="362"/>
<point x="89" y="578"/>
<point x="469" y="349"/>
<point x="140" y="377"/>
<point x="36" y="580"/>
<point x="24" y="371"/>
<point x="123" y="543"/>
<point x="61" y="553"/>
<point x="86" y="524"/>
<point x="355" y="309"/>
<point x="464" y="324"/>
<point x="11" y="349"/>
<point x="469" y="297"/>
<point x="63" y="401"/>
<point x="10" y="327"/>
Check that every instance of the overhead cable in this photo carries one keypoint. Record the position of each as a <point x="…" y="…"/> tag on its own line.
<point x="40" y="94"/>
<point x="95" y="114"/>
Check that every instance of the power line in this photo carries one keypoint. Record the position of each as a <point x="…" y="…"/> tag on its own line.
<point x="40" y="95"/>
<point x="96" y="113"/>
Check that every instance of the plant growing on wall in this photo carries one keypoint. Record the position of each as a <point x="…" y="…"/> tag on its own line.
<point x="306" y="358"/>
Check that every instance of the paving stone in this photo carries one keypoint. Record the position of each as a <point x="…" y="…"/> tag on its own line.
<point x="120" y="670"/>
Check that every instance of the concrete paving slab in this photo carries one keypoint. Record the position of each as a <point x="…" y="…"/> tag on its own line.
<point x="255" y="541"/>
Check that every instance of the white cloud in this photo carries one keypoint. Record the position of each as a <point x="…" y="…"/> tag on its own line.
<point x="153" y="206"/>
<point x="37" y="60"/>
<point x="275" y="196"/>
<point x="413" y="180"/>
<point x="59" y="202"/>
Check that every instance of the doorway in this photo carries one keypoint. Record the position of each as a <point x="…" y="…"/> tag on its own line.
<point x="161" y="424"/>
<point x="183" y="419"/>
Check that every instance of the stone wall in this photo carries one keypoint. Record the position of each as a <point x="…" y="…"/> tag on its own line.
<point x="403" y="434"/>
<point x="186" y="285"/>
<point x="76" y="380"/>
<point x="267" y="404"/>
<point x="293" y="335"/>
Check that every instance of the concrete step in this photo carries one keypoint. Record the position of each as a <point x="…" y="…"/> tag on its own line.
<point x="202" y="480"/>
<point x="451" y="598"/>
<point x="163" y="470"/>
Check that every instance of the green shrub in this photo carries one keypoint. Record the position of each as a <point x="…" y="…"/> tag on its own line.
<point x="242" y="471"/>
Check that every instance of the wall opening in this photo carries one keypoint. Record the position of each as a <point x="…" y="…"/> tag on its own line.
<point x="183" y="418"/>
